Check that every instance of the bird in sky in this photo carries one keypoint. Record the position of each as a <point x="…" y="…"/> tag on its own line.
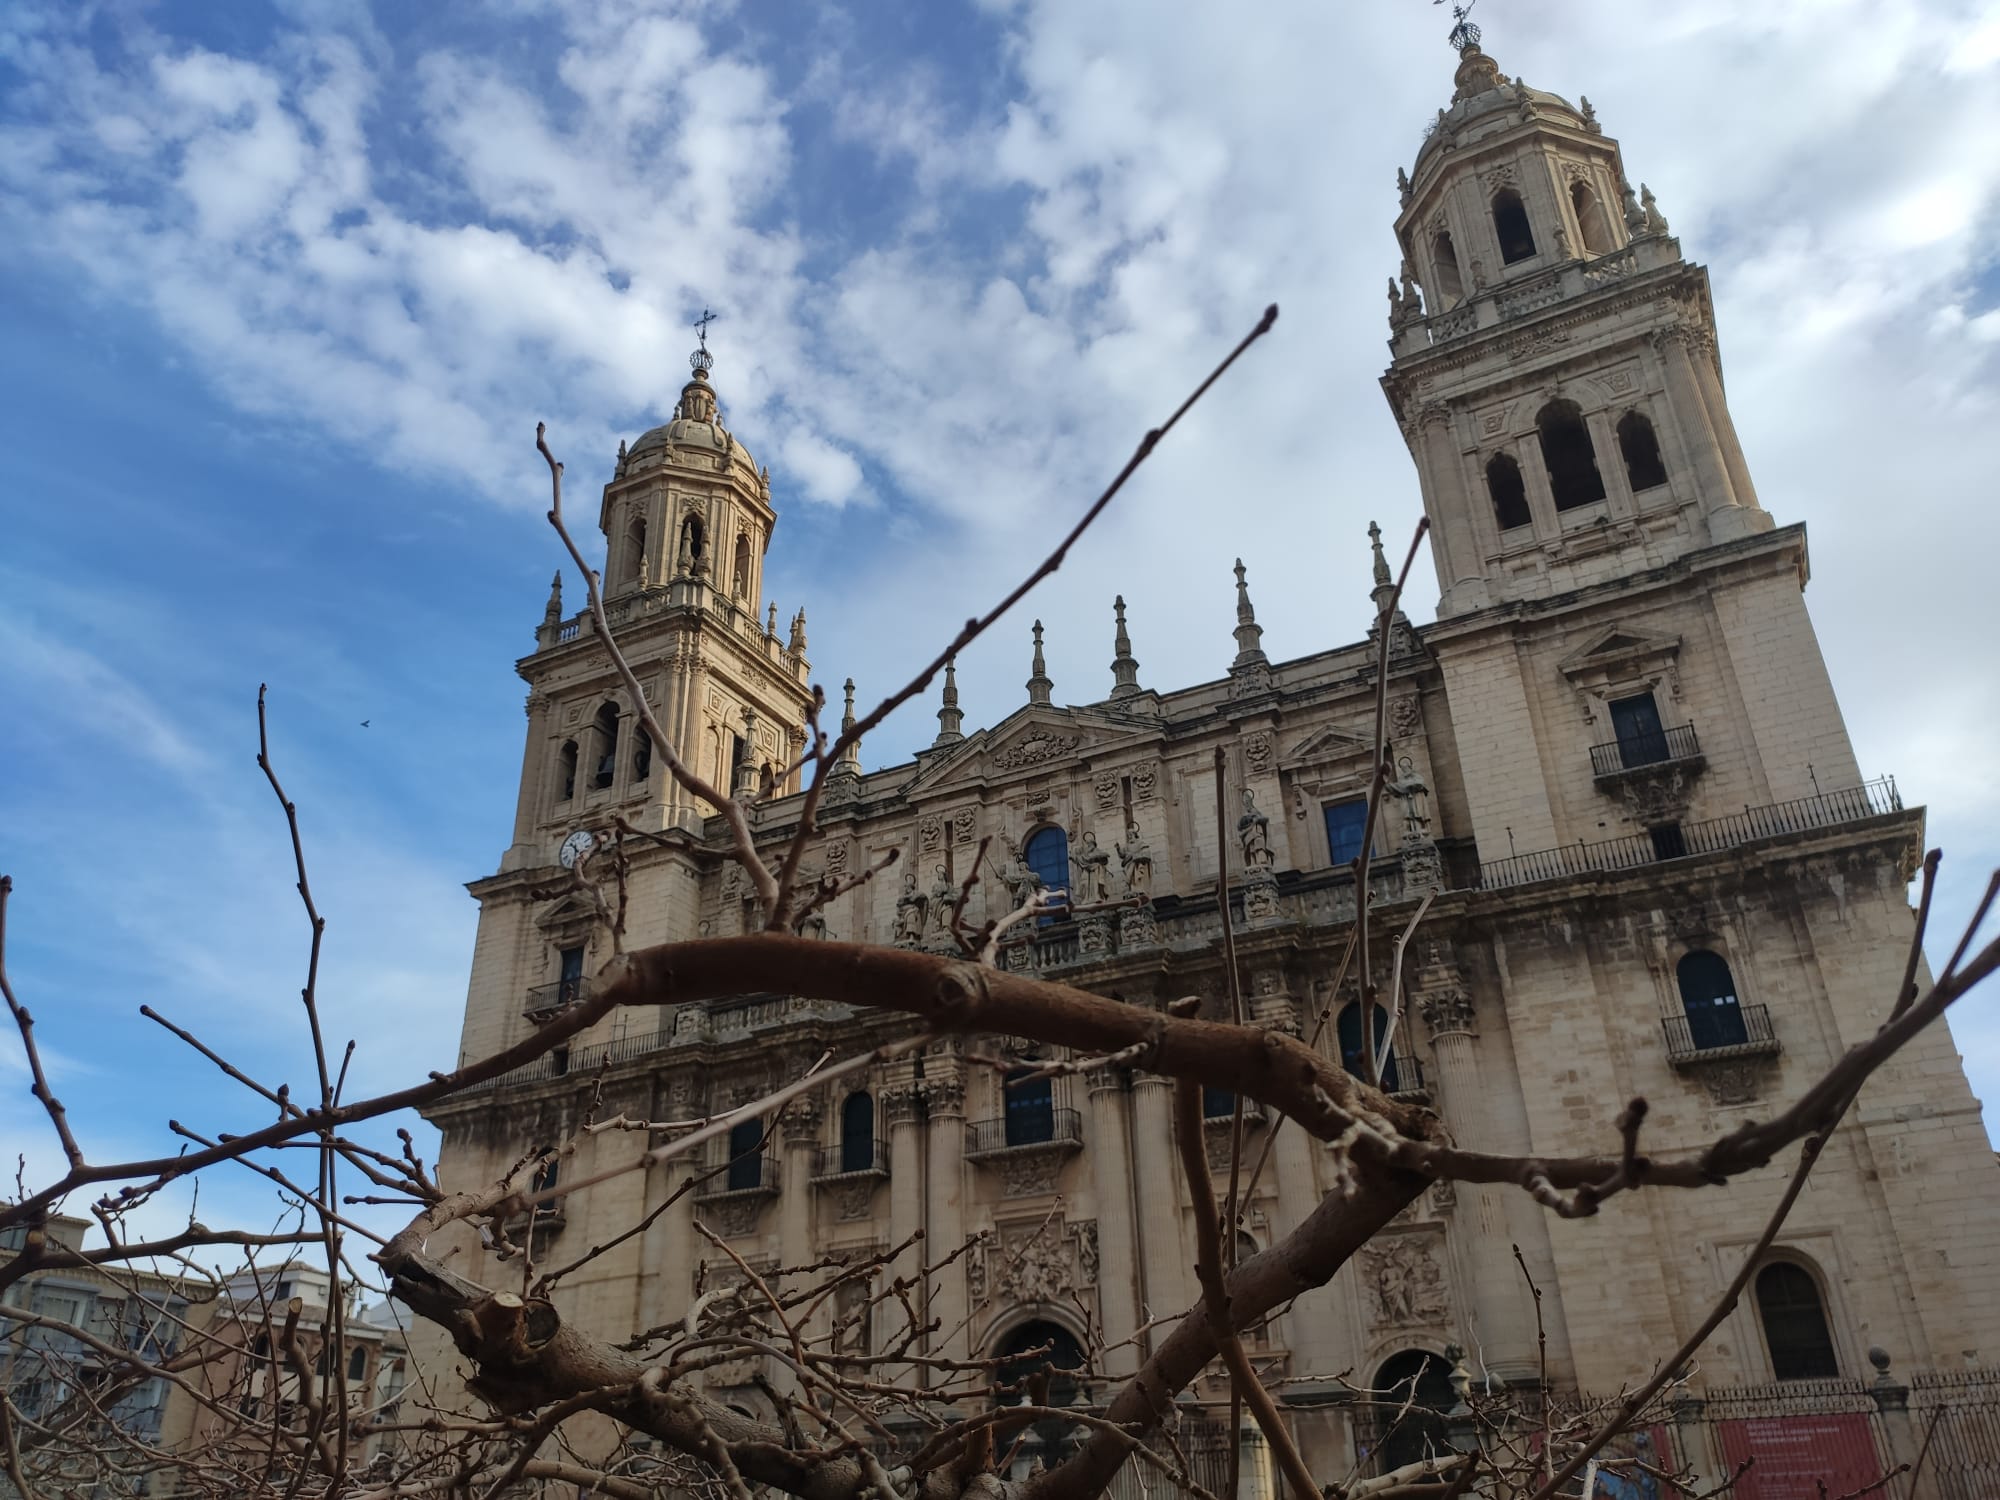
<point x="364" y="723"/>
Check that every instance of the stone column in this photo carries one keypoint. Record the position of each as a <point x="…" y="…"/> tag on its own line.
<point x="1168" y="1277"/>
<point x="798" y="1196"/>
<point x="672" y="1265"/>
<point x="944" y="1096"/>
<point x="1111" y="1180"/>
<point x="1904" y="1444"/>
<point x="1459" y="572"/>
<point x="1691" y="411"/>
<point x="1503" y="1307"/>
<point x="534" y="782"/>
<point x="1709" y="377"/>
<point x="906" y="1203"/>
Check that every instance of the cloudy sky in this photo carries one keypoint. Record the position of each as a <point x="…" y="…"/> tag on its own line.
<point x="288" y="287"/>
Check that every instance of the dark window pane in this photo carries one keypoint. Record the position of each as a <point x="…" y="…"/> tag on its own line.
<point x="1795" y="1324"/>
<point x="1344" y="823"/>
<point x="1031" y="1110"/>
<point x="746" y="1166"/>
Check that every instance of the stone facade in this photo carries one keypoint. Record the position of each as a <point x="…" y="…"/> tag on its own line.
<point x="1622" y="773"/>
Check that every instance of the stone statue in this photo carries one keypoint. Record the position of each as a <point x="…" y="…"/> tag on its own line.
<point x="1413" y="300"/>
<point x="911" y="908"/>
<point x="1092" y="871"/>
<point x="1416" y="795"/>
<point x="944" y="899"/>
<point x="1135" y="857"/>
<point x="1403" y="187"/>
<point x="1254" y="830"/>
<point x="1395" y="303"/>
<point x="1022" y="883"/>
<point x="1656" y="222"/>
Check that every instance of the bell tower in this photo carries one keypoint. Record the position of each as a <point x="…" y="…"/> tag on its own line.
<point x="1554" y="367"/>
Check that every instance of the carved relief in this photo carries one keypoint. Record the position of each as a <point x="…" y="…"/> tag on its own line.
<point x="854" y="1199"/>
<point x="1405" y="716"/>
<point x="1445" y="1010"/>
<point x="1735" y="1080"/>
<point x="962" y="823"/>
<point x="1039" y="746"/>
<point x="1029" y="1173"/>
<point x="1690" y="922"/>
<point x="930" y="835"/>
<point x="836" y="859"/>
<point x="1144" y="780"/>
<point x="1106" y="789"/>
<point x="1257" y="753"/>
<point x="1405" y="1281"/>
<point x="1661" y="794"/>
<point x="735" y="1217"/>
<point x="1034" y="1262"/>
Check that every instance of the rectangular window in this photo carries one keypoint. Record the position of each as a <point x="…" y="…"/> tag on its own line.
<point x="1344" y="823"/>
<point x="1668" y="841"/>
<point x="570" y="978"/>
<point x="1642" y="741"/>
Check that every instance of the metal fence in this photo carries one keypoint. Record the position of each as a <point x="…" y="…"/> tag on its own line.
<point x="1956" y="1417"/>
<point x="1802" y="814"/>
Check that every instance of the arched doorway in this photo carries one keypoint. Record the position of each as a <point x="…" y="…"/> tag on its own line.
<point x="1036" y="1360"/>
<point x="1421" y="1381"/>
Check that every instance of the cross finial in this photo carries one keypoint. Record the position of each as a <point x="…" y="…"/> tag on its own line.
<point x="1124" y="666"/>
<point x="1249" y="634"/>
<point x="1382" y="575"/>
<point x="1039" y="684"/>
<point x="950" y="721"/>
<point x="701" y="360"/>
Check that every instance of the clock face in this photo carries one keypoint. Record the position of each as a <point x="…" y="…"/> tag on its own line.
<point x="576" y="846"/>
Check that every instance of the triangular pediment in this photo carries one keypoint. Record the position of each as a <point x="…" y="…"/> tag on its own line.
<point x="1031" y="741"/>
<point x="568" y="912"/>
<point x="1324" y="745"/>
<point x="1616" y="645"/>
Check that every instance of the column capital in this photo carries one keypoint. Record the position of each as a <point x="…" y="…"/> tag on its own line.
<point x="1103" y="1081"/>
<point x="801" y="1118"/>
<point x="943" y="1096"/>
<point x="899" y="1104"/>
<point x="1447" y="1011"/>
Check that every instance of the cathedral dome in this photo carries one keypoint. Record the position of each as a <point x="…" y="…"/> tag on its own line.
<point x="696" y="424"/>
<point x="1481" y="93"/>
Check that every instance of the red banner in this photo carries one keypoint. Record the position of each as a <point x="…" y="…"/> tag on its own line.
<point x="1795" y="1455"/>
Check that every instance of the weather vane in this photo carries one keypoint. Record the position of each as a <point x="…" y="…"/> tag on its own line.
<point x="1464" y="34"/>
<point x="701" y="359"/>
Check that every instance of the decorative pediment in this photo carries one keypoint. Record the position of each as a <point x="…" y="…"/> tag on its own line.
<point x="1032" y="742"/>
<point x="1326" y="747"/>
<point x="1621" y="660"/>
<point x="1620" y="650"/>
<point x="569" y="919"/>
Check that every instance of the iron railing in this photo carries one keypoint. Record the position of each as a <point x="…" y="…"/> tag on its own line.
<point x="544" y="1000"/>
<point x="1719" y="1031"/>
<point x="750" y="1172"/>
<point x="1054" y="1127"/>
<point x="1655" y="747"/>
<point x="1872" y="799"/>
<point x="851" y="1159"/>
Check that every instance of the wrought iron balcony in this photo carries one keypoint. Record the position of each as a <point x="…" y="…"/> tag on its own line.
<point x="851" y="1159"/>
<point x="1059" y="1128"/>
<point x="1661" y="747"/>
<point x="546" y="1000"/>
<point x="1723" y="1032"/>
<point x="1854" y="804"/>
<point x="748" y="1175"/>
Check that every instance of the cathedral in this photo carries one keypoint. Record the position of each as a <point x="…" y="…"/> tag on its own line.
<point x="1623" y="784"/>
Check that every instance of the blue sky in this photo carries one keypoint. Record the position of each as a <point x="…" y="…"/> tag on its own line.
<point x="288" y="286"/>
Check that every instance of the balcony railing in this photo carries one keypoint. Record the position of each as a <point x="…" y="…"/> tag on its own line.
<point x="1635" y="752"/>
<point x="1056" y="1127"/>
<point x="1719" y="1032"/>
<point x="851" y="1159"/>
<point x="545" y="1000"/>
<point x="1872" y="799"/>
<point x="746" y="1174"/>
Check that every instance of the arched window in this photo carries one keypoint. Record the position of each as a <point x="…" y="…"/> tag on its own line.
<point x="746" y="1162"/>
<point x="1708" y="995"/>
<point x="1030" y="1109"/>
<point x="357" y="1366"/>
<point x="1450" y="287"/>
<point x="1591" y="219"/>
<point x="1510" y="222"/>
<point x="1418" y="1386"/>
<point x="691" y="538"/>
<point x="607" y="745"/>
<point x="740" y="577"/>
<point x="1568" y="455"/>
<point x="1510" y="495"/>
<point x="1794" y="1318"/>
<point x="566" y="764"/>
<point x="1353" y="1056"/>
<point x="1047" y="854"/>
<point x="1640" y="449"/>
<point x="642" y="754"/>
<point x="857" y="1132"/>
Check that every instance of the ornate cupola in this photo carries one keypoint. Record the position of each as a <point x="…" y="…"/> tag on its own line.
<point x="1554" y="359"/>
